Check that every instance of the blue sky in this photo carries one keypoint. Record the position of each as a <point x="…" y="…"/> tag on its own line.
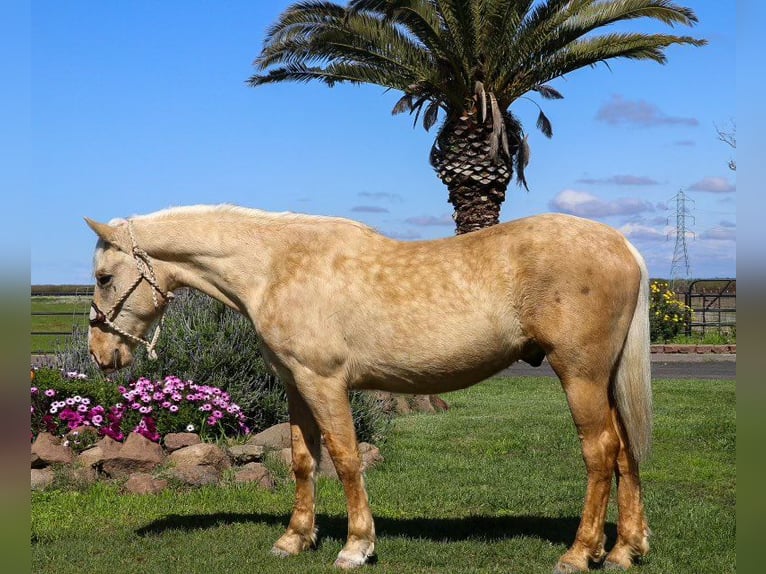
<point x="140" y="106"/>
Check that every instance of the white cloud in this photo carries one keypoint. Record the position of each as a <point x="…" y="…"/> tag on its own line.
<point x="586" y="204"/>
<point x="619" y="111"/>
<point x="643" y="232"/>
<point x="713" y="185"/>
<point x="719" y="234"/>
<point x="623" y="179"/>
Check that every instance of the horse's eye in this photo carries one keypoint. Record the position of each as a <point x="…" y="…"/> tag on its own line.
<point x="104" y="280"/>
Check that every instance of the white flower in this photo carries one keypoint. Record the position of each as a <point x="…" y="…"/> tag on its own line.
<point x="189" y="428"/>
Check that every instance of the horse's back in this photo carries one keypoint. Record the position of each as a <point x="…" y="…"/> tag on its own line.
<point x="436" y="315"/>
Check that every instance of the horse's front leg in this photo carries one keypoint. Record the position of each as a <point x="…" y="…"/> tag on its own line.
<point x="328" y="399"/>
<point x="301" y="532"/>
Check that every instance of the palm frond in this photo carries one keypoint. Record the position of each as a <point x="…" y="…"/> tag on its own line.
<point x="466" y="57"/>
<point x="544" y="124"/>
<point x="404" y="104"/>
<point x="522" y="160"/>
<point x="548" y="92"/>
<point x="431" y="114"/>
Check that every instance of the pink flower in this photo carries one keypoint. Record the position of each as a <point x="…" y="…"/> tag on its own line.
<point x="50" y="393"/>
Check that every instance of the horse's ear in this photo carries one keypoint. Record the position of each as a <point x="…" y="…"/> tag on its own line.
<point x="108" y="233"/>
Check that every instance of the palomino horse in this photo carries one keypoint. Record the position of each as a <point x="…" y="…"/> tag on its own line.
<point x="340" y="307"/>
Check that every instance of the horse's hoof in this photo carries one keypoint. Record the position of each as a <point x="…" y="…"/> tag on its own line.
<point x="350" y="562"/>
<point x="567" y="568"/>
<point x="563" y="568"/>
<point x="349" y="559"/>
<point x="280" y="552"/>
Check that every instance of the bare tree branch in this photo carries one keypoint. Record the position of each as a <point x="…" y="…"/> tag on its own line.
<point x="729" y="137"/>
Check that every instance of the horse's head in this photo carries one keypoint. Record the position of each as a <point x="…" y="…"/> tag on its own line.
<point x="127" y="297"/>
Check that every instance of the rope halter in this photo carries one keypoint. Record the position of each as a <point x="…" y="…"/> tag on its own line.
<point x="145" y="273"/>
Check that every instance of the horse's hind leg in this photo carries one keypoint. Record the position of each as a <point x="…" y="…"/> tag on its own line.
<point x="632" y="527"/>
<point x="305" y="439"/>
<point x="589" y="402"/>
<point x="329" y="403"/>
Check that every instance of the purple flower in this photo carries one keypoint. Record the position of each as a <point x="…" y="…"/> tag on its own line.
<point x="97" y="419"/>
<point x="173" y="408"/>
<point x="50" y="393"/>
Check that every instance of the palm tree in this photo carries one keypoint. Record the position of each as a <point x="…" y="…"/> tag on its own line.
<point x="471" y="60"/>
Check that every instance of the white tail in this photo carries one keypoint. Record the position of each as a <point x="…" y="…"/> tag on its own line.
<point x="632" y="382"/>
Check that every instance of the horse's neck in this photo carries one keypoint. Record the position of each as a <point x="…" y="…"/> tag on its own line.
<point x="223" y="255"/>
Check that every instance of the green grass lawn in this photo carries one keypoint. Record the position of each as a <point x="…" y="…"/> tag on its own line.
<point x="495" y="484"/>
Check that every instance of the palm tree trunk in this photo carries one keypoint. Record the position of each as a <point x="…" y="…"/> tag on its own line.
<point x="476" y="181"/>
<point x="475" y="208"/>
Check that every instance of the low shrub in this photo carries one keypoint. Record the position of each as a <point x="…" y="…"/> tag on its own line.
<point x="668" y="317"/>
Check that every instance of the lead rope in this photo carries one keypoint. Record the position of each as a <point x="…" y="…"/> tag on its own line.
<point x="146" y="271"/>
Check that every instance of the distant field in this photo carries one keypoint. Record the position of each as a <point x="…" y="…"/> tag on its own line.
<point x="56" y="314"/>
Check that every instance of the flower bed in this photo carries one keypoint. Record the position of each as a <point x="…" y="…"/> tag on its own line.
<point x="62" y="407"/>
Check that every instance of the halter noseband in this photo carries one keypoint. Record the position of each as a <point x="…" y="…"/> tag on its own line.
<point x="145" y="272"/>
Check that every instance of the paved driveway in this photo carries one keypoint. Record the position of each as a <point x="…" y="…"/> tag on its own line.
<point x="681" y="366"/>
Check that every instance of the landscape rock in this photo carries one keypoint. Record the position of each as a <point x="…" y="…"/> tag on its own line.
<point x="177" y="440"/>
<point x="47" y="449"/>
<point x="202" y="454"/>
<point x="138" y="454"/>
<point x="255" y="472"/>
<point x="107" y="447"/>
<point x="395" y="403"/>
<point x="41" y="478"/>
<point x="273" y="438"/>
<point x="84" y="475"/>
<point x="196" y="475"/>
<point x="369" y="454"/>
<point x="144" y="483"/>
<point x="245" y="453"/>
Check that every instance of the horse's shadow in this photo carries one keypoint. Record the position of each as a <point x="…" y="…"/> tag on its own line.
<point x="479" y="527"/>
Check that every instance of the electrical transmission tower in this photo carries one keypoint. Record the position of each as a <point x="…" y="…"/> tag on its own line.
<point x="679" y="268"/>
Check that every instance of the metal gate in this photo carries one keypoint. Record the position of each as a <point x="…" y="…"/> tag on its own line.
<point x="713" y="304"/>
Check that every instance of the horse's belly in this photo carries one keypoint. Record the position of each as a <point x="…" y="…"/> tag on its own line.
<point x="435" y="368"/>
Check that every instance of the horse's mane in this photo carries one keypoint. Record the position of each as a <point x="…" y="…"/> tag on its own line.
<point x="267" y="216"/>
